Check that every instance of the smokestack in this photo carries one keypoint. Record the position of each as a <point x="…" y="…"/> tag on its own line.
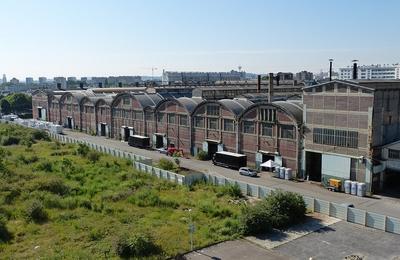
<point x="330" y="69"/>
<point x="258" y="83"/>
<point x="271" y="87"/>
<point x="355" y="69"/>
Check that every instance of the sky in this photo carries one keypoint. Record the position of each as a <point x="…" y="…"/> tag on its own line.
<point x="130" y="37"/>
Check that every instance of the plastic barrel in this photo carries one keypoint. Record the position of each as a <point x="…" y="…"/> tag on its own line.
<point x="282" y="172"/>
<point x="288" y="174"/>
<point x="361" y="189"/>
<point x="277" y="171"/>
<point x="353" y="188"/>
<point x="347" y="187"/>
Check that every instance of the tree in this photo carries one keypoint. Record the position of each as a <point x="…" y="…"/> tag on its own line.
<point x="19" y="102"/>
<point x="5" y="106"/>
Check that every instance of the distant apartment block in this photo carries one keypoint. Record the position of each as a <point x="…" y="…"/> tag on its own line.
<point x="42" y="80"/>
<point x="14" y="81"/>
<point x="304" y="76"/>
<point x="201" y="77"/>
<point x="372" y="72"/>
<point x="29" y="81"/>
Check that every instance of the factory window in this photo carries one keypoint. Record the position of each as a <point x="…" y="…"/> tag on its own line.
<point x="268" y="115"/>
<point x="199" y="121"/>
<point x="342" y="138"/>
<point x="69" y="107"/>
<point x="160" y="117"/>
<point x="266" y="129"/>
<point x="213" y="110"/>
<point x="287" y="131"/>
<point x="229" y="125"/>
<point x="171" y="118"/>
<point x="248" y="127"/>
<point x="329" y="88"/>
<point x="213" y="123"/>
<point x="183" y="120"/>
<point x="353" y="89"/>
<point x="394" y="154"/>
<point x="138" y="115"/>
<point x="149" y="116"/>
<point x="126" y="101"/>
<point x="342" y="88"/>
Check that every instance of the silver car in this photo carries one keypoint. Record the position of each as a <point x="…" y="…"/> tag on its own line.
<point x="247" y="172"/>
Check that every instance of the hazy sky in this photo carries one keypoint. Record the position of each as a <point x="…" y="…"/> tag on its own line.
<point x="117" y="37"/>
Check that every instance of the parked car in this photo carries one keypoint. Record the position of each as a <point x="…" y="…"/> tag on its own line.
<point x="162" y="150"/>
<point x="248" y="172"/>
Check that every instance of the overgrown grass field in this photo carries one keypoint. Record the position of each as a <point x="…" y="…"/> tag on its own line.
<point x="62" y="201"/>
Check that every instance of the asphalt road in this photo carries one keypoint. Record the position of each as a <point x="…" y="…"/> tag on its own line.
<point x="343" y="239"/>
<point x="379" y="204"/>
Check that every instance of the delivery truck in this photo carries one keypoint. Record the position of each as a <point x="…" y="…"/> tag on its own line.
<point x="229" y="160"/>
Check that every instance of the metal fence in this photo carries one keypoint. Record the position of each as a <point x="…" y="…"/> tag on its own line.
<point x="103" y="149"/>
<point x="353" y="215"/>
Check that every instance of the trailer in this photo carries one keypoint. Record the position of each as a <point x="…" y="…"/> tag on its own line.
<point x="139" y="141"/>
<point x="229" y="160"/>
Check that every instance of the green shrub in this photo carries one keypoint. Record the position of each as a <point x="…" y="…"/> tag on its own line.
<point x="27" y="160"/>
<point x="230" y="190"/>
<point x="139" y="245"/>
<point x="93" y="156"/>
<point x="287" y="208"/>
<point x="46" y="166"/>
<point x="35" y="212"/>
<point x="53" y="185"/>
<point x="166" y="164"/>
<point x="148" y="198"/>
<point x="82" y="150"/>
<point x="5" y="234"/>
<point x="255" y="219"/>
<point x="40" y="135"/>
<point x="9" y="140"/>
<point x="202" y="156"/>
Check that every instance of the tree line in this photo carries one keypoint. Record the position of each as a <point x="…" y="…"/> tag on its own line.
<point x="17" y="103"/>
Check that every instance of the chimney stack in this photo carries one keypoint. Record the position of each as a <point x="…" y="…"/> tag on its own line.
<point x="330" y="69"/>
<point x="258" y="83"/>
<point x="355" y="69"/>
<point x="271" y="87"/>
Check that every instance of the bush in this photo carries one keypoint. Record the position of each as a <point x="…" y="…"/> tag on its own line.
<point x="230" y="190"/>
<point x="255" y="219"/>
<point x="202" y="156"/>
<point x="45" y="166"/>
<point x="166" y="164"/>
<point x="288" y="208"/>
<point x="82" y="150"/>
<point x="93" y="156"/>
<point x="40" y="135"/>
<point x="53" y="185"/>
<point x="35" y="212"/>
<point x="9" y="140"/>
<point x="5" y="234"/>
<point x="139" y="245"/>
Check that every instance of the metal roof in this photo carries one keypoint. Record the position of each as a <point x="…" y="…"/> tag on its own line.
<point x="236" y="106"/>
<point x="190" y="104"/>
<point x="294" y="107"/>
<point x="147" y="100"/>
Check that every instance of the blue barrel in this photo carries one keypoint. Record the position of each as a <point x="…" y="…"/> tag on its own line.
<point x="277" y="171"/>
<point x="354" y="188"/>
<point x="361" y="189"/>
<point x="282" y="171"/>
<point x="347" y="186"/>
<point x="288" y="174"/>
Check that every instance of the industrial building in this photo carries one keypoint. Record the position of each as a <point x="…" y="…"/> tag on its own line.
<point x="346" y="124"/>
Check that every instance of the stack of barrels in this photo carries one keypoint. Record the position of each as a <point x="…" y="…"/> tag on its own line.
<point x="355" y="188"/>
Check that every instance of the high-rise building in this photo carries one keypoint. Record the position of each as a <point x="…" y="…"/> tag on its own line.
<point x="377" y="71"/>
<point x="29" y="81"/>
<point x="42" y="80"/>
<point x="4" y="78"/>
<point x="14" y="81"/>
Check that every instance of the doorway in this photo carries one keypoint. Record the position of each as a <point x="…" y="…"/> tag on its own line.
<point x="159" y="141"/>
<point x="212" y="148"/>
<point x="313" y="166"/>
<point x="102" y="129"/>
<point x="69" y="122"/>
<point x="126" y="133"/>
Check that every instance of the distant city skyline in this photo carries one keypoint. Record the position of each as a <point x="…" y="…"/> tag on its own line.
<point x="110" y="38"/>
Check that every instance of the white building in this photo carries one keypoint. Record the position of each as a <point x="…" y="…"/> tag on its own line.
<point x="201" y="77"/>
<point x="378" y="71"/>
<point x="29" y="81"/>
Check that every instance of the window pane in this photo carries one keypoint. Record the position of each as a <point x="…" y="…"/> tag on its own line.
<point x="183" y="120"/>
<point x="248" y="127"/>
<point x="171" y="118"/>
<point x="229" y="125"/>
<point x="213" y="123"/>
<point x="199" y="121"/>
<point x="266" y="129"/>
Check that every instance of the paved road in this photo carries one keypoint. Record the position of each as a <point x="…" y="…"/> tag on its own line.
<point x="343" y="239"/>
<point x="237" y="249"/>
<point x="380" y="204"/>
